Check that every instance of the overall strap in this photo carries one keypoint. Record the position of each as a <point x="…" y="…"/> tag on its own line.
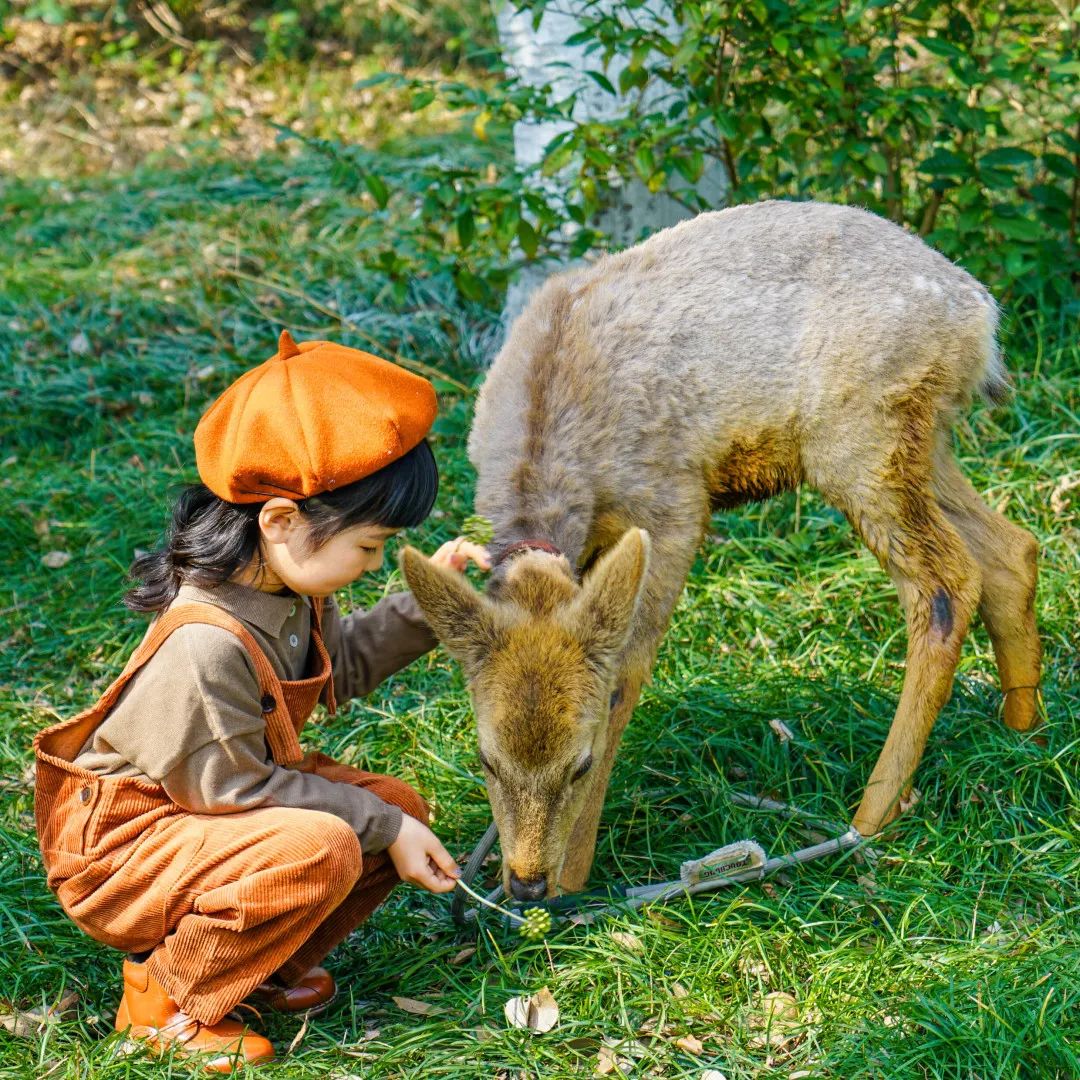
<point x="280" y="734"/>
<point x="328" y="698"/>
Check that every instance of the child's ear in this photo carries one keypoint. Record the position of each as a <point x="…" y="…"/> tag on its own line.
<point x="462" y="618"/>
<point x="277" y="517"/>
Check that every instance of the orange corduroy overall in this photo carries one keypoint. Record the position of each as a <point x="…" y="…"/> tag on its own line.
<point x="222" y="900"/>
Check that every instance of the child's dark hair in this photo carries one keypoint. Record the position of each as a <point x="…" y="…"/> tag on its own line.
<point x="210" y="539"/>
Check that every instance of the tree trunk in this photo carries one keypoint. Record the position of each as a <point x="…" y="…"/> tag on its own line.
<point x="542" y="56"/>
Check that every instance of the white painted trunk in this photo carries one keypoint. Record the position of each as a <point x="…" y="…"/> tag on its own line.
<point x="542" y="56"/>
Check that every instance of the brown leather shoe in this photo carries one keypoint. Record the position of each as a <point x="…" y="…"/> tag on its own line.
<point x="151" y="1015"/>
<point x="312" y="994"/>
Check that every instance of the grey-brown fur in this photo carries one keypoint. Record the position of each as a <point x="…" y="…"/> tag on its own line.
<point x="738" y="354"/>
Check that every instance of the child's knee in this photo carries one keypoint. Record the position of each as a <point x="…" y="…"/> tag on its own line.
<point x="331" y="850"/>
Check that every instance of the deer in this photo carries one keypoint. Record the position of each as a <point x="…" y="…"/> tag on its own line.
<point x="739" y="354"/>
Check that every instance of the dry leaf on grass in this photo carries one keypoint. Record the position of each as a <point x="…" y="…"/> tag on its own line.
<point x="1058" y="502"/>
<point x="417" y="1008"/>
<point x="79" y="344"/>
<point x="610" y="1062"/>
<point x="782" y="731"/>
<point x="463" y="955"/>
<point x="690" y="1044"/>
<point x="777" y="1022"/>
<point x="29" y="1023"/>
<point x="298" y="1038"/>
<point x="55" y="559"/>
<point x="538" y="1013"/>
<point x="630" y="942"/>
<point x="679" y="991"/>
<point x="712" y="1074"/>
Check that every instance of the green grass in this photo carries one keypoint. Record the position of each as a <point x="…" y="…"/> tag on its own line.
<point x="956" y="956"/>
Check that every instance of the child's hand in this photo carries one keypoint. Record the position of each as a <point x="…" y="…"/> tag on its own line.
<point x="457" y="554"/>
<point x="419" y="857"/>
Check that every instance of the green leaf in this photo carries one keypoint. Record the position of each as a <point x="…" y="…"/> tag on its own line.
<point x="877" y="162"/>
<point x="469" y="285"/>
<point x="691" y="166"/>
<point x="1060" y="165"/>
<point x="379" y="191"/>
<point x="1006" y="157"/>
<point x="631" y="77"/>
<point x="421" y="100"/>
<point x="644" y="162"/>
<point x="582" y="243"/>
<point x="466" y="228"/>
<point x="527" y="238"/>
<point x="601" y="80"/>
<point x="1017" y="228"/>
<point x="781" y="44"/>
<point x="945" y="163"/>
<point x="939" y="47"/>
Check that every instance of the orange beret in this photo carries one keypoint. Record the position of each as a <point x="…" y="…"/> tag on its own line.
<point x="315" y="417"/>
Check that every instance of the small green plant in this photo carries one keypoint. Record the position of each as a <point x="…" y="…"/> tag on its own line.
<point x="477" y="529"/>
<point x="533" y="925"/>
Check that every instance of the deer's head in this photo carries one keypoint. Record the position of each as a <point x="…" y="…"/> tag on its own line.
<point x="540" y="658"/>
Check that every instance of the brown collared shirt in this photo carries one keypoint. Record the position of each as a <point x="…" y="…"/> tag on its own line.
<point x="191" y="720"/>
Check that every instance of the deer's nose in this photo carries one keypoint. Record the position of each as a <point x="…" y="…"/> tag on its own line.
<point x="528" y="890"/>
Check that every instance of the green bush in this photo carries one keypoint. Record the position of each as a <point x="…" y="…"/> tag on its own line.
<point x="958" y="121"/>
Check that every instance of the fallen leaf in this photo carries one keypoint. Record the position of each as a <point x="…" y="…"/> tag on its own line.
<point x="630" y="942"/>
<point x="679" y="991"/>
<point x="298" y="1038"/>
<point x="28" y="1023"/>
<point x="538" y="1013"/>
<point x="417" y="1008"/>
<point x="690" y="1045"/>
<point x="79" y="344"/>
<point x="608" y="1062"/>
<point x="1058" y="502"/>
<point x="911" y="800"/>
<point x="463" y="955"/>
<point x="712" y="1074"/>
<point x="783" y="732"/>
<point x="55" y="559"/>
<point x="778" y="1020"/>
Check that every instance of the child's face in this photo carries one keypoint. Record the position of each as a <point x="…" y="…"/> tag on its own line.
<point x="293" y="562"/>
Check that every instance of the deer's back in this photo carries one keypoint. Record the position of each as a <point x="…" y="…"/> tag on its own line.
<point x="754" y="323"/>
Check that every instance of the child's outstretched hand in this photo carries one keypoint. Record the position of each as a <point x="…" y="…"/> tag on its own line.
<point x="457" y="554"/>
<point x="419" y="857"/>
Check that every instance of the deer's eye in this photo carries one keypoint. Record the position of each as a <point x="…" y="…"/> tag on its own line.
<point x="582" y="769"/>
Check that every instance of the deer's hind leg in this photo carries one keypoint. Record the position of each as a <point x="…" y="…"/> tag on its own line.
<point x="890" y="501"/>
<point x="1007" y="556"/>
<point x="939" y="583"/>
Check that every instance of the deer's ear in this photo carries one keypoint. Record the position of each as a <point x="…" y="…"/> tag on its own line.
<point x="462" y="618"/>
<point x="603" y="612"/>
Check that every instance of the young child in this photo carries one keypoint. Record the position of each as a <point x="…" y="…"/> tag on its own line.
<point x="179" y="818"/>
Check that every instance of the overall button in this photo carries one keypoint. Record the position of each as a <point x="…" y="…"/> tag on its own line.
<point x="268" y="704"/>
<point x="84" y="795"/>
<point x="292" y="610"/>
<point x="294" y="640"/>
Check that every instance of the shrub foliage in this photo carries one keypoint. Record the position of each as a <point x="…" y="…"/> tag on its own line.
<point x="958" y="121"/>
